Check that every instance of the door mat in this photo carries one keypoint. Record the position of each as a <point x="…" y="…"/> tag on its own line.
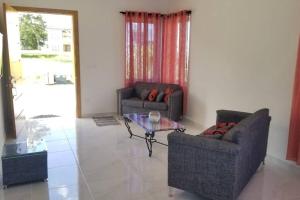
<point x="44" y="116"/>
<point x="106" y="121"/>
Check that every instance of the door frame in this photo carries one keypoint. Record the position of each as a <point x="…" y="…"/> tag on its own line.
<point x="74" y="15"/>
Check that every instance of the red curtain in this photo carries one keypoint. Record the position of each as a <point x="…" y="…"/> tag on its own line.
<point x="293" y="152"/>
<point x="175" y="59"/>
<point x="143" y="47"/>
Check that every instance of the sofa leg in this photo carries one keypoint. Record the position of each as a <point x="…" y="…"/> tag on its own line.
<point x="170" y="191"/>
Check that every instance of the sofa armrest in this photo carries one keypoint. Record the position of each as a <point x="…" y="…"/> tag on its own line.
<point x="125" y="93"/>
<point x="203" y="165"/>
<point x="175" y="104"/>
<point x="231" y="116"/>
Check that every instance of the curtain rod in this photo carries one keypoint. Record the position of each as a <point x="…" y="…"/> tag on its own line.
<point x="187" y="11"/>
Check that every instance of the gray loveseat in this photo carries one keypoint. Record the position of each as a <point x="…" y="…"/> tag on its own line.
<point x="129" y="100"/>
<point x="219" y="169"/>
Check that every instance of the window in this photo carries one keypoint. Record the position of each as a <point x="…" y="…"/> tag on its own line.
<point x="67" y="47"/>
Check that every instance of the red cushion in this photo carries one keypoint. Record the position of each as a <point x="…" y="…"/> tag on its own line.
<point x="220" y="128"/>
<point x="168" y="92"/>
<point x="224" y="124"/>
<point x="214" y="130"/>
<point x="153" y="94"/>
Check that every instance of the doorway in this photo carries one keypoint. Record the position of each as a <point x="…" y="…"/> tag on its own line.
<point x="43" y="52"/>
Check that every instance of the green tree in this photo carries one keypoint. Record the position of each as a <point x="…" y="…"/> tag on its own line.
<point x="32" y="32"/>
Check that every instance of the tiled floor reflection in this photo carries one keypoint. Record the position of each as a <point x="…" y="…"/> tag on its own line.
<point x="86" y="162"/>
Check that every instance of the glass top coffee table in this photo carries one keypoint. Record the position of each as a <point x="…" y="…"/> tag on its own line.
<point x="151" y="128"/>
<point x="23" y="149"/>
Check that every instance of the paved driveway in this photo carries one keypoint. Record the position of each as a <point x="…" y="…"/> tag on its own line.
<point x="37" y="97"/>
<point x="36" y="100"/>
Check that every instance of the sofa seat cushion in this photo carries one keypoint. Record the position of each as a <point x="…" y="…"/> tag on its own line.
<point x="155" y="105"/>
<point x="133" y="102"/>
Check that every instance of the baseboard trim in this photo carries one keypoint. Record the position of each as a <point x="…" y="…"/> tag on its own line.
<point x="285" y="162"/>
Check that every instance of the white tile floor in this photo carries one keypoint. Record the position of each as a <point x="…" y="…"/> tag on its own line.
<point x="89" y="162"/>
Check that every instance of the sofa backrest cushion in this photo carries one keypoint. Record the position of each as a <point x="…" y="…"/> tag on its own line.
<point x="144" y="94"/>
<point x="227" y="116"/>
<point x="140" y="86"/>
<point x="247" y="126"/>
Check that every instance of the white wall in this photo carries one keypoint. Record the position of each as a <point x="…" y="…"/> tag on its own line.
<point x="101" y="33"/>
<point x="243" y="56"/>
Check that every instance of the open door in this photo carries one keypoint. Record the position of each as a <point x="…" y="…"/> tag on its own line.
<point x="12" y="72"/>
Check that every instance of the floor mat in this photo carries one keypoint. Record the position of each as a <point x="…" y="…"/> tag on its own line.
<point x="106" y="121"/>
<point x="44" y="116"/>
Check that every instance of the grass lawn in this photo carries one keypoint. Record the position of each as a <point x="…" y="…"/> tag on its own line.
<point x="52" y="57"/>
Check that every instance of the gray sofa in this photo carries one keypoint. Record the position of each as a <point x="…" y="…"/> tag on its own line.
<point x="129" y="100"/>
<point x="218" y="169"/>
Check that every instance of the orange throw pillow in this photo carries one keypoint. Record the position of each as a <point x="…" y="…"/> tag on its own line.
<point x="168" y="93"/>
<point x="153" y="94"/>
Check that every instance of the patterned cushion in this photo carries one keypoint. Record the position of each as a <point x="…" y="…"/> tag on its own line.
<point x="168" y="93"/>
<point x="228" y="125"/>
<point x="153" y="94"/>
<point x="219" y="130"/>
<point x="160" y="96"/>
<point x="140" y="86"/>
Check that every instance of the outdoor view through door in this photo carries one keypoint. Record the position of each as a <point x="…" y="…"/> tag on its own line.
<point x="45" y="77"/>
<point x="41" y="65"/>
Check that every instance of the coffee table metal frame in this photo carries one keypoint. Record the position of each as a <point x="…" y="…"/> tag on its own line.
<point x="149" y="135"/>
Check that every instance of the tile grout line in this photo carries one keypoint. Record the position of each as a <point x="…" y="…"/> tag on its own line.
<point x="79" y="167"/>
<point x="62" y="166"/>
<point x="58" y="151"/>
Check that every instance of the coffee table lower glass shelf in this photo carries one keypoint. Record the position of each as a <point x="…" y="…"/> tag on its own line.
<point x="151" y="128"/>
